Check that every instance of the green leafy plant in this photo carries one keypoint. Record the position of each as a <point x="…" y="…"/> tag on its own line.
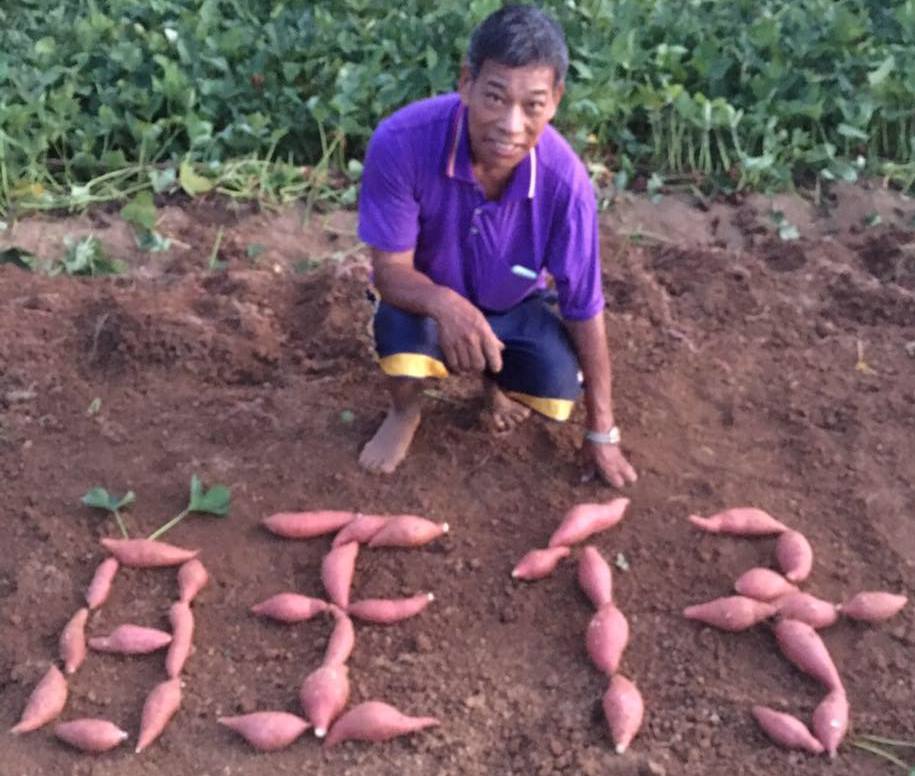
<point x="86" y="256"/>
<point x="99" y="498"/>
<point x="215" y="501"/>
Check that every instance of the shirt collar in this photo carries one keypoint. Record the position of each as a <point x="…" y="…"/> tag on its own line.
<point x="523" y="183"/>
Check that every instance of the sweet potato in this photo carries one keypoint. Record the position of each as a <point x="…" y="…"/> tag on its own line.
<point x="794" y="556"/>
<point x="147" y="553"/>
<point x="158" y="709"/>
<point x="337" y="571"/>
<point x="606" y="638"/>
<point x="323" y="695"/>
<point x="182" y="620"/>
<point x="131" y="640"/>
<point x="407" y="531"/>
<point x="786" y="730"/>
<point x="306" y="525"/>
<point x="763" y="584"/>
<point x="584" y="520"/>
<point x="538" y="564"/>
<point x="100" y="586"/>
<point x="267" y="731"/>
<point x="740" y="521"/>
<point x="73" y="641"/>
<point x="383" y="611"/>
<point x="375" y="721"/>
<point x="45" y="703"/>
<point x="732" y="613"/>
<point x="594" y="577"/>
<point x="624" y="710"/>
<point x="290" y="607"/>
<point x="90" y="735"/>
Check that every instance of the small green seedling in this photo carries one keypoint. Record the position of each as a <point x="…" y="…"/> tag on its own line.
<point x="347" y="417"/>
<point x="215" y="501"/>
<point x="99" y="498"/>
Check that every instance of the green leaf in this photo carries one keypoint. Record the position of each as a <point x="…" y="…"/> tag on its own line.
<point x="19" y="258"/>
<point x="193" y="183"/>
<point x="152" y="242"/>
<point x="215" y="501"/>
<point x="141" y="211"/>
<point x="99" y="498"/>
<point x="254" y="250"/>
<point x="163" y="180"/>
<point x="878" y="76"/>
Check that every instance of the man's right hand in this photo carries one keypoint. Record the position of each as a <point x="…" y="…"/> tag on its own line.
<point x="465" y="336"/>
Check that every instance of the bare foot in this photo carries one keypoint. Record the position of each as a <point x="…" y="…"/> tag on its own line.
<point x="502" y="414"/>
<point x="384" y="451"/>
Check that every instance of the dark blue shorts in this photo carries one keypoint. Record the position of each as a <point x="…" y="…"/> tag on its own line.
<point x="539" y="365"/>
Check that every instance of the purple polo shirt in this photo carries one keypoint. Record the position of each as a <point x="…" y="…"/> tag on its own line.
<point x="418" y="192"/>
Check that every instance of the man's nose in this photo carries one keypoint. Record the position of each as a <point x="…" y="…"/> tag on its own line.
<point x="512" y="123"/>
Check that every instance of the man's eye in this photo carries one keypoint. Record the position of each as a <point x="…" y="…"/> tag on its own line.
<point x="492" y="97"/>
<point x="534" y="107"/>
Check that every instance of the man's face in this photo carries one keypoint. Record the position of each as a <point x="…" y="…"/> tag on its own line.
<point x="507" y="110"/>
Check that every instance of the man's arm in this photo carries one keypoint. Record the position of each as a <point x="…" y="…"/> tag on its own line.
<point x="590" y="340"/>
<point x="465" y="336"/>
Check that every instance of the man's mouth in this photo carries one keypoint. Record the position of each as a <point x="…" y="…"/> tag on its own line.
<point x="504" y="149"/>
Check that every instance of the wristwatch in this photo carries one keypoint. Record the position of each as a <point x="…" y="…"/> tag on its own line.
<point x="611" y="437"/>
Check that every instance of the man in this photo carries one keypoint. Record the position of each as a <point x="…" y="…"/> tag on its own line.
<point x="468" y="201"/>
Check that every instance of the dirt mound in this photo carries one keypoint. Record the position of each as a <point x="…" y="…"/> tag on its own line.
<point x="764" y="372"/>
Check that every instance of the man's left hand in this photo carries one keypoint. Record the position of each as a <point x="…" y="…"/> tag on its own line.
<point x="611" y="465"/>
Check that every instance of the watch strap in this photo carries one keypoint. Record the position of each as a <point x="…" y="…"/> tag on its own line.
<point x="611" y="437"/>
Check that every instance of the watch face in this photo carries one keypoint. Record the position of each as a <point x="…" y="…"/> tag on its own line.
<point x="614" y="436"/>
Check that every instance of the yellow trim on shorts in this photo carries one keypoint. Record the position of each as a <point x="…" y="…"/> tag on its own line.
<point x="556" y="409"/>
<point x="412" y="365"/>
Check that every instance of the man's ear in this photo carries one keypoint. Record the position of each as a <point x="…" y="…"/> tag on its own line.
<point x="464" y="82"/>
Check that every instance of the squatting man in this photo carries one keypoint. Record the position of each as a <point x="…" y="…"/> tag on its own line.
<point x="469" y="202"/>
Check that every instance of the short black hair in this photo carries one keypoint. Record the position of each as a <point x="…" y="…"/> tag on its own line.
<point x="518" y="36"/>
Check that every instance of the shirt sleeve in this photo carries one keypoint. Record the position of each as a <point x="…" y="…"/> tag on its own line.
<point x="388" y="210"/>
<point x="573" y="258"/>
